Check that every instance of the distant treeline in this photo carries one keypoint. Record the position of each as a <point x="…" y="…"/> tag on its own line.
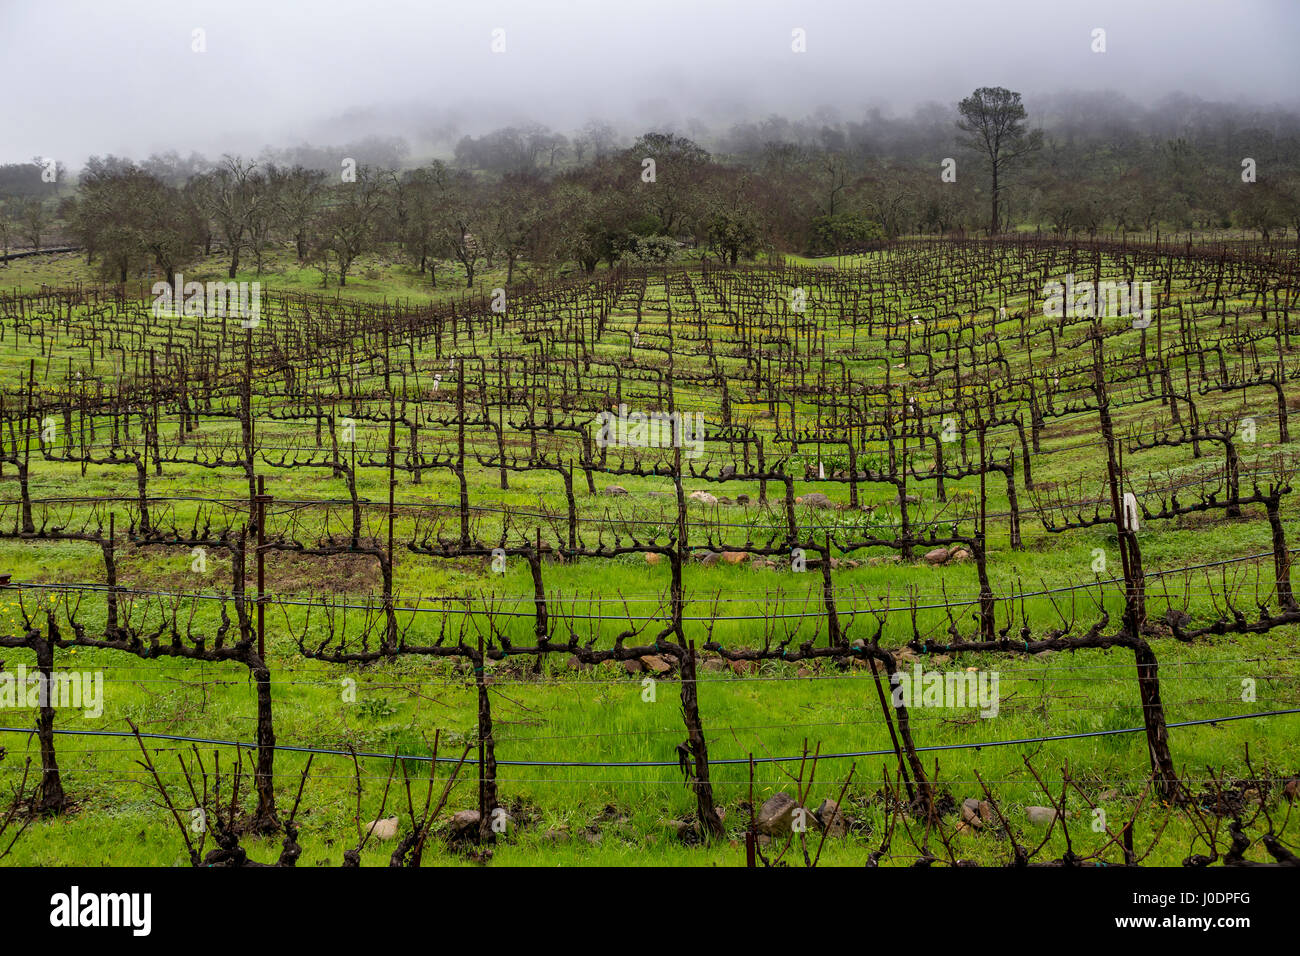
<point x="821" y="185"/>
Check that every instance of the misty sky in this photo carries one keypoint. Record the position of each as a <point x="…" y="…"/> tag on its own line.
<point x="110" y="76"/>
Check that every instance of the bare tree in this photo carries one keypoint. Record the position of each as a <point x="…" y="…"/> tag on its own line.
<point x="348" y="226"/>
<point x="35" y="219"/>
<point x="233" y="199"/>
<point x="296" y="196"/>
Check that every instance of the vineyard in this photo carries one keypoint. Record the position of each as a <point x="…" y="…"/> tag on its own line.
<point x="663" y="565"/>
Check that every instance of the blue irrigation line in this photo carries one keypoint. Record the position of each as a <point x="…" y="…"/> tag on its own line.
<point x="656" y="763"/>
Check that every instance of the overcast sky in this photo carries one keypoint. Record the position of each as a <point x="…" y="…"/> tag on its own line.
<point x="112" y="76"/>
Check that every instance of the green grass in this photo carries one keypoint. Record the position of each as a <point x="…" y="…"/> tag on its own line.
<point x="565" y="715"/>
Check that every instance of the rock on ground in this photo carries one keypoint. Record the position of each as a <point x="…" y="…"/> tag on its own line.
<point x="463" y="823"/>
<point x="814" y="499"/>
<point x="656" y="664"/>
<point x="1040" y="816"/>
<point x="835" y="823"/>
<point x="777" y="814"/>
<point x="385" y="829"/>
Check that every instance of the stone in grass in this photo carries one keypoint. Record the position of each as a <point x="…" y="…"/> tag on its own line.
<point x="937" y="556"/>
<point x="632" y="665"/>
<point x="615" y="490"/>
<point x="653" y="557"/>
<point x="710" y="559"/>
<point x="970" y="812"/>
<point x="704" y="498"/>
<point x="656" y="664"/>
<point x="814" y="499"/>
<point x="777" y="814"/>
<point x="575" y="663"/>
<point x="830" y="819"/>
<point x="385" y="829"/>
<point x="1040" y="816"/>
<point x="735" y="557"/>
<point x="678" y="828"/>
<point x="463" y="823"/>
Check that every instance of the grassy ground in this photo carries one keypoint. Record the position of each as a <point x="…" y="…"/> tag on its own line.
<point x="621" y="816"/>
<point x="373" y="277"/>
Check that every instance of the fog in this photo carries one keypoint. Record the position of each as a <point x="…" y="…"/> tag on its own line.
<point x="95" y="78"/>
